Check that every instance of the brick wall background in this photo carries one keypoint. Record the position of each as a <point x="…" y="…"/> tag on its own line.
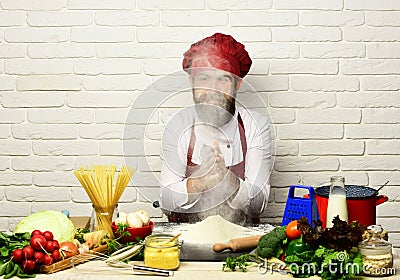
<point x="329" y="72"/>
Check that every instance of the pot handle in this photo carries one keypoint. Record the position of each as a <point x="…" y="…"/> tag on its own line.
<point x="381" y="199"/>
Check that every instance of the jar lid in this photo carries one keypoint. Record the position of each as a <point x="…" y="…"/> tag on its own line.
<point x="374" y="244"/>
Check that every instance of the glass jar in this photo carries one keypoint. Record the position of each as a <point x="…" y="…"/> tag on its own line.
<point x="337" y="204"/>
<point x="160" y="252"/>
<point x="376" y="253"/>
<point x="102" y="217"/>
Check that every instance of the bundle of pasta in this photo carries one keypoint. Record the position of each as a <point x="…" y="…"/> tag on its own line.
<point x="98" y="182"/>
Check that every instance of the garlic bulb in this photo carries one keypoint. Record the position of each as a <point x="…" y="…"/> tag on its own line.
<point x="144" y="216"/>
<point x="134" y="220"/>
<point x="122" y="214"/>
<point x="121" y="220"/>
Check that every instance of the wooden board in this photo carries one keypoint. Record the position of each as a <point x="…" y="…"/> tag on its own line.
<point x="67" y="263"/>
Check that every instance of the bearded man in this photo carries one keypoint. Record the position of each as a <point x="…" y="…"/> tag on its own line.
<point x="216" y="155"/>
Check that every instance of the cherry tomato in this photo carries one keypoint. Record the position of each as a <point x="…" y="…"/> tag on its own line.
<point x="291" y="230"/>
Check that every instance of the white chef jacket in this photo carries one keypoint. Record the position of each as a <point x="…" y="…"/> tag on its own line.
<point x="252" y="196"/>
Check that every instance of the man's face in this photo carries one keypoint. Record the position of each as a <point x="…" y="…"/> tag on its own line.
<point x="214" y="93"/>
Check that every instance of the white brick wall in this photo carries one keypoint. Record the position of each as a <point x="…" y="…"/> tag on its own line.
<point x="71" y="69"/>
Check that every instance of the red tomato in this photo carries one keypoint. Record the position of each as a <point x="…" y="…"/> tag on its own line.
<point x="291" y="230"/>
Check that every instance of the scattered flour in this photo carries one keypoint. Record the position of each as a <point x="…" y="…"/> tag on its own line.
<point x="214" y="229"/>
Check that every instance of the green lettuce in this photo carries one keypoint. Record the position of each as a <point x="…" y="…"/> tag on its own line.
<point x="59" y="224"/>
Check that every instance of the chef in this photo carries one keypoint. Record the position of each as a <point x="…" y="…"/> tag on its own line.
<point x="216" y="155"/>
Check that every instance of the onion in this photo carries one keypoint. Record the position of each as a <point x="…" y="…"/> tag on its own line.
<point x="68" y="249"/>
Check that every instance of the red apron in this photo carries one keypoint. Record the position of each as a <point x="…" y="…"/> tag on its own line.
<point x="238" y="169"/>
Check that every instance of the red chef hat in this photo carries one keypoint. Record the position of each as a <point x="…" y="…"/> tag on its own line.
<point x="218" y="51"/>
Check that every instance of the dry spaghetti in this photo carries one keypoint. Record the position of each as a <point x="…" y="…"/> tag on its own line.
<point x="98" y="182"/>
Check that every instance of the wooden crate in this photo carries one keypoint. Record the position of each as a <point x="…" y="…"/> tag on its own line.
<point x="69" y="262"/>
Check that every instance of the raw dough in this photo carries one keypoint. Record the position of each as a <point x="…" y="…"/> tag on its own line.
<point x="214" y="229"/>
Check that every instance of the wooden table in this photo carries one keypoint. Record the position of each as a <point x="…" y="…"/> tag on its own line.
<point x="187" y="270"/>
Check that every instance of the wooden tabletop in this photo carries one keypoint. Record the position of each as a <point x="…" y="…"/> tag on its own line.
<point x="187" y="270"/>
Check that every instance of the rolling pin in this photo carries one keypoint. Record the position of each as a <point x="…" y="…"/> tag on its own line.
<point x="238" y="244"/>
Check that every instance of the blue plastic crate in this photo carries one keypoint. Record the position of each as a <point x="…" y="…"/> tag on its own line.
<point x="296" y="207"/>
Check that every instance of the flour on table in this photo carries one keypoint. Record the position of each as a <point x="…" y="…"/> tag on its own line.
<point x="214" y="229"/>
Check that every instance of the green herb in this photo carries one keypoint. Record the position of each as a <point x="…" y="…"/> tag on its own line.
<point x="341" y="236"/>
<point x="79" y="233"/>
<point x="328" y="263"/>
<point x="241" y="262"/>
<point x="114" y="244"/>
<point x="8" y="243"/>
<point x="233" y="262"/>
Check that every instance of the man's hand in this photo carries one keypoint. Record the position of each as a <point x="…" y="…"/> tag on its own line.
<point x="211" y="172"/>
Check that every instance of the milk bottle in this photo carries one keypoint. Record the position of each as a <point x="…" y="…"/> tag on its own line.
<point x="337" y="201"/>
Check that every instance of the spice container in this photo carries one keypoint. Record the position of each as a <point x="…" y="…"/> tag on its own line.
<point x="160" y="252"/>
<point x="376" y="253"/>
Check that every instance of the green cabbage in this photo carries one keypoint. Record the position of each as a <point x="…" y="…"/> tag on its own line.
<point x="59" y="224"/>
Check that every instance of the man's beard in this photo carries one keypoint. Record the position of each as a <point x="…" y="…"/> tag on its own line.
<point x="215" y="111"/>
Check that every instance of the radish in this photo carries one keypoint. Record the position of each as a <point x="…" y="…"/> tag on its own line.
<point x="38" y="242"/>
<point x="48" y="235"/>
<point x="28" y="252"/>
<point x="56" y="255"/>
<point x="38" y="257"/>
<point x="36" y="232"/>
<point x="28" y="265"/>
<point x="49" y="246"/>
<point x="48" y="260"/>
<point x="56" y="245"/>
<point x="18" y="255"/>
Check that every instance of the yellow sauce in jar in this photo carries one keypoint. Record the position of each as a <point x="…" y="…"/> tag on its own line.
<point x="160" y="253"/>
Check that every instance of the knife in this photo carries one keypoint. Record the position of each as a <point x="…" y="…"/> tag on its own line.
<point x="238" y="244"/>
